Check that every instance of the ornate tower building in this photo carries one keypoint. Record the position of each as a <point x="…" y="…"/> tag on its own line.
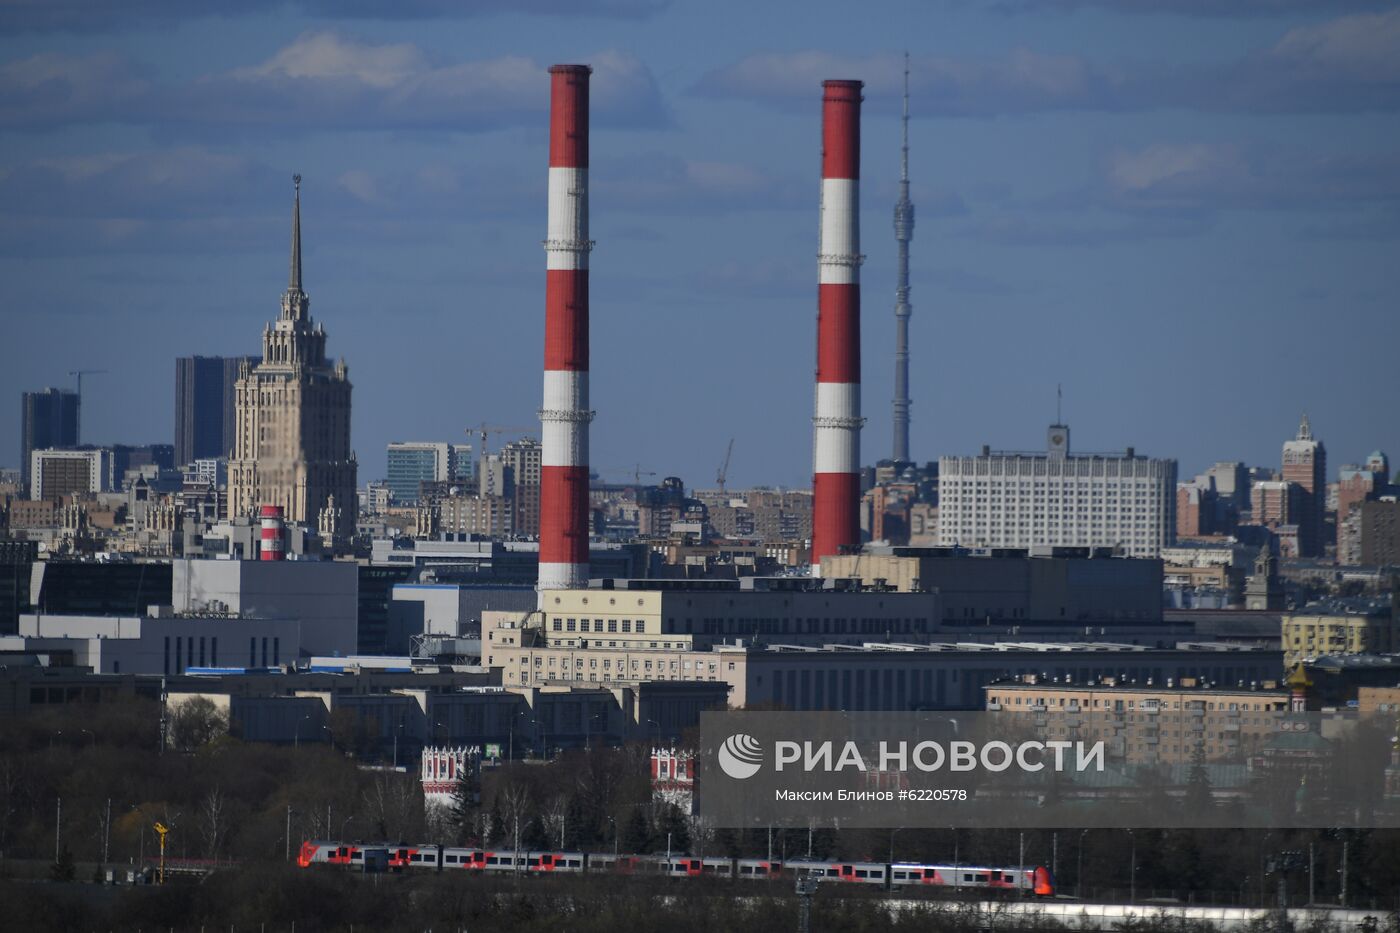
<point x="1305" y="464"/>
<point x="292" y="446"/>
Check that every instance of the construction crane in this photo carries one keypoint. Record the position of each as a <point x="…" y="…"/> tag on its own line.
<point x="723" y="473"/>
<point x="80" y="373"/>
<point x="635" y="471"/>
<point x="482" y="430"/>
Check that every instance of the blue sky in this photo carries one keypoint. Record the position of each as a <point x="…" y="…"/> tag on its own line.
<point x="1191" y="220"/>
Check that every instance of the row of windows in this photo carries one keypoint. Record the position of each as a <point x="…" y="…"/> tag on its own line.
<point x="596" y="625"/>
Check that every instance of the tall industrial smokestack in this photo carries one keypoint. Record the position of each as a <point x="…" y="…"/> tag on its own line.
<point x="836" y="427"/>
<point x="903" y="233"/>
<point x="565" y="414"/>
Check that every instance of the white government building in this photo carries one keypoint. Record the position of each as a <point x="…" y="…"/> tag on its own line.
<point x="1008" y="499"/>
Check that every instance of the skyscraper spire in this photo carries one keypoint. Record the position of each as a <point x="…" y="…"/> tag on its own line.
<point x="294" y="285"/>
<point x="903" y="233"/>
<point x="295" y="305"/>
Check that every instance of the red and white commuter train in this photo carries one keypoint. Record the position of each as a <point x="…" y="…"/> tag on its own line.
<point x="1036" y="882"/>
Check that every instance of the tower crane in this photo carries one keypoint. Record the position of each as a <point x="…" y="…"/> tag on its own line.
<point x="723" y="473"/>
<point x="483" y="429"/>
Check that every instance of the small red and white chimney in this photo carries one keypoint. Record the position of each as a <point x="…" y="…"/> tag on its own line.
<point x="272" y="534"/>
<point x="565" y="414"/>
<point x="836" y="427"/>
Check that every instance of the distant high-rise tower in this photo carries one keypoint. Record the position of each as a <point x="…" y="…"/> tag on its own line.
<point x="836" y="426"/>
<point x="565" y="414"/>
<point x="292" y="444"/>
<point x="204" y="406"/>
<point x="1305" y="463"/>
<point x="48" y="420"/>
<point x="903" y="233"/>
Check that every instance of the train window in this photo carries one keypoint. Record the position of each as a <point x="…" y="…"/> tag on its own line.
<point x="900" y="876"/>
<point x="862" y="873"/>
<point x="968" y="877"/>
<point x="831" y="872"/>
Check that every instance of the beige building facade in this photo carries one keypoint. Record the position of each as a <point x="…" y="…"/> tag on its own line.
<point x="1312" y="636"/>
<point x="1149" y="723"/>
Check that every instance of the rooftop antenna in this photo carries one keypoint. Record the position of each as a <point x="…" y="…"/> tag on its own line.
<point x="1059" y="403"/>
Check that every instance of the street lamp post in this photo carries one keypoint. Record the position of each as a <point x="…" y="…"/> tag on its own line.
<point x="893" y="832"/>
<point x="1132" y="870"/>
<point x="1079" y="867"/>
<point x="296" y="735"/>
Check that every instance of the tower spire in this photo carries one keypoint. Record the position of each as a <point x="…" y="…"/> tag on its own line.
<point x="294" y="285"/>
<point x="295" y="305"/>
<point x="903" y="233"/>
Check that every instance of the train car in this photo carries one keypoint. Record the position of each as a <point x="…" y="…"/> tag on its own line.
<point x="685" y="866"/>
<point x="560" y="862"/>
<point x="616" y="864"/>
<point x="1036" y="881"/>
<point x="757" y="869"/>
<point x="853" y="872"/>
<point x="367" y="858"/>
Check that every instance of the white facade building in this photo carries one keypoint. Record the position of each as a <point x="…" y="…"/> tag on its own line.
<point x="54" y="473"/>
<point x="1055" y="499"/>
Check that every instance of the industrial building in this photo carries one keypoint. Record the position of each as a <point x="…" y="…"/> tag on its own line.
<point x="875" y="674"/>
<point x="160" y="642"/>
<point x="322" y="596"/>
<point x="1075" y="585"/>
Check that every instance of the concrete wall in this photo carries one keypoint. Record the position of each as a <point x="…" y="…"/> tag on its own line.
<point x="322" y="595"/>
<point x="133" y="645"/>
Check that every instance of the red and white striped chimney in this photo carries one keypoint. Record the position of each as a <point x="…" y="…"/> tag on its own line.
<point x="565" y="414"/>
<point x="836" y="427"/>
<point x="272" y="547"/>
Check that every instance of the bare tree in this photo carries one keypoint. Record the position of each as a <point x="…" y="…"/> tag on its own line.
<point x="211" y="821"/>
<point x="395" y="806"/>
<point x="702" y="833"/>
<point x="555" y="818"/>
<point x="516" y="802"/>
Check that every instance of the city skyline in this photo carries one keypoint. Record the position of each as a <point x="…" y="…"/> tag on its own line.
<point x="1074" y="227"/>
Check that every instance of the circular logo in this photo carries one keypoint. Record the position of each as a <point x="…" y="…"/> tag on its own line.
<point x="740" y="756"/>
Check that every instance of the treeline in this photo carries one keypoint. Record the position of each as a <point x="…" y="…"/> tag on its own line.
<point x="223" y="799"/>
<point x="80" y="780"/>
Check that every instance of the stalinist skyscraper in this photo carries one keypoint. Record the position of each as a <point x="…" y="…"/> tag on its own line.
<point x="292" y="447"/>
